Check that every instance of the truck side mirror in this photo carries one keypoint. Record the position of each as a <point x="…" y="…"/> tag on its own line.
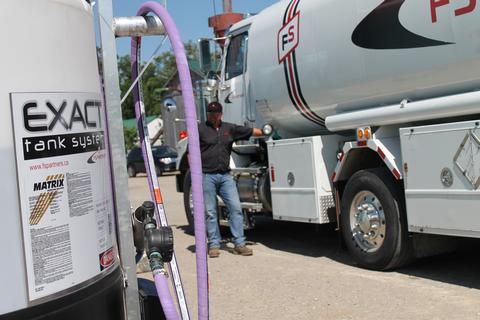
<point x="205" y="56"/>
<point x="212" y="79"/>
<point x="170" y="104"/>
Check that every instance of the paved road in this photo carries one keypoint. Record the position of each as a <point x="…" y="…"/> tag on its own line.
<point x="299" y="271"/>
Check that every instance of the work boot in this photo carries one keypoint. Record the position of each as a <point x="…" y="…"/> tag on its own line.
<point x="214" y="252"/>
<point x="243" y="251"/>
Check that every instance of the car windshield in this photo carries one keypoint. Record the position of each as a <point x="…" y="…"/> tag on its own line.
<point x="164" y="151"/>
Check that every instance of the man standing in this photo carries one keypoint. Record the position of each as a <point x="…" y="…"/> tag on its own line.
<point x="216" y="140"/>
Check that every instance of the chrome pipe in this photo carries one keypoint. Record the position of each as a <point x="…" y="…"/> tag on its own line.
<point x="137" y="26"/>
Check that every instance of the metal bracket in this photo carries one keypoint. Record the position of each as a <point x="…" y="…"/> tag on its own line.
<point x="117" y="151"/>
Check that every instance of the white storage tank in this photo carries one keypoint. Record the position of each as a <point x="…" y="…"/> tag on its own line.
<point x="58" y="243"/>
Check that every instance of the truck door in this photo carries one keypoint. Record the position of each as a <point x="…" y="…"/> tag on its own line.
<point x="232" y="90"/>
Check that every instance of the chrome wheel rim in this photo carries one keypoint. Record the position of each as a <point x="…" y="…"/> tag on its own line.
<point x="190" y="202"/>
<point x="367" y="221"/>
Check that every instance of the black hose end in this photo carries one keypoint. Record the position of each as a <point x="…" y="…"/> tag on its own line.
<point x="142" y="219"/>
<point x="160" y="241"/>
<point x="148" y="209"/>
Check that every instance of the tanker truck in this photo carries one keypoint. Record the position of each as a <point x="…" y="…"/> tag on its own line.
<point x="375" y="110"/>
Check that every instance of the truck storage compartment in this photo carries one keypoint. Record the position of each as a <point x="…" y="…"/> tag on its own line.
<point x="299" y="175"/>
<point x="441" y="176"/>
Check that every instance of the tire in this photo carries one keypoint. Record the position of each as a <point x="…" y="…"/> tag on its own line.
<point x="374" y="222"/>
<point x="131" y="171"/>
<point x="158" y="171"/>
<point x="187" y="202"/>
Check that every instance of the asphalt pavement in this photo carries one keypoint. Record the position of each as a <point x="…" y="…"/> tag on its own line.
<point x="300" y="271"/>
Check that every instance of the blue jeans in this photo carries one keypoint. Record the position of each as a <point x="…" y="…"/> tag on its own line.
<point x="223" y="185"/>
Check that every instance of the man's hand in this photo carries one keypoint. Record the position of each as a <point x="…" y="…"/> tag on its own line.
<point x="257" y="132"/>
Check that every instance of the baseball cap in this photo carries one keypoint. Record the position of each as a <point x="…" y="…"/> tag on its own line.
<point x="214" y="107"/>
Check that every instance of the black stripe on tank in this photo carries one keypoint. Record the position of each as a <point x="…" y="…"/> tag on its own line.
<point x="313" y="118"/>
<point x="290" y="94"/>
<point x="295" y="72"/>
<point x="296" y="7"/>
<point x="286" y="13"/>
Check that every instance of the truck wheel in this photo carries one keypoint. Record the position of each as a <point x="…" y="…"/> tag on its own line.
<point x="373" y="221"/>
<point x="131" y="171"/>
<point x="188" y="202"/>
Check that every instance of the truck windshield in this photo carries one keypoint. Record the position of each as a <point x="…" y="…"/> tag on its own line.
<point x="235" y="56"/>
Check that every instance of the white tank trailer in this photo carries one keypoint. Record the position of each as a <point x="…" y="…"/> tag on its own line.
<point x="351" y="55"/>
<point x="58" y="243"/>
<point x="375" y="106"/>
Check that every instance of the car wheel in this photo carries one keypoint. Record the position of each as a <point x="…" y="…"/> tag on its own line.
<point x="374" y="222"/>
<point x="158" y="171"/>
<point x="131" y="171"/>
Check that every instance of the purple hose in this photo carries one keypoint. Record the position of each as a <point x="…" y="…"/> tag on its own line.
<point x="164" y="296"/>
<point x="193" y="147"/>
<point x="160" y="279"/>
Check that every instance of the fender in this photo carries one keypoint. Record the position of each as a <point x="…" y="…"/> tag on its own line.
<point x="377" y="146"/>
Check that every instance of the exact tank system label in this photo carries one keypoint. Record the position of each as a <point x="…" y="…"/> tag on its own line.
<point x="64" y="189"/>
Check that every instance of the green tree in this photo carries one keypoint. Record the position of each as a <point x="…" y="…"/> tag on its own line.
<point x="124" y="77"/>
<point x="151" y="80"/>
<point x="130" y="136"/>
<point x="154" y="79"/>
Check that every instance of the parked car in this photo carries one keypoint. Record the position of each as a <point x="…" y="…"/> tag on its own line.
<point x="165" y="159"/>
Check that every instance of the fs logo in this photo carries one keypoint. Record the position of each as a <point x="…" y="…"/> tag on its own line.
<point x="459" y="11"/>
<point x="288" y="38"/>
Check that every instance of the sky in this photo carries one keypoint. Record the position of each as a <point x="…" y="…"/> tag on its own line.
<point x="190" y="16"/>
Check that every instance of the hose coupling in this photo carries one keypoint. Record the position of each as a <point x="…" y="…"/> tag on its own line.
<point x="160" y="241"/>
